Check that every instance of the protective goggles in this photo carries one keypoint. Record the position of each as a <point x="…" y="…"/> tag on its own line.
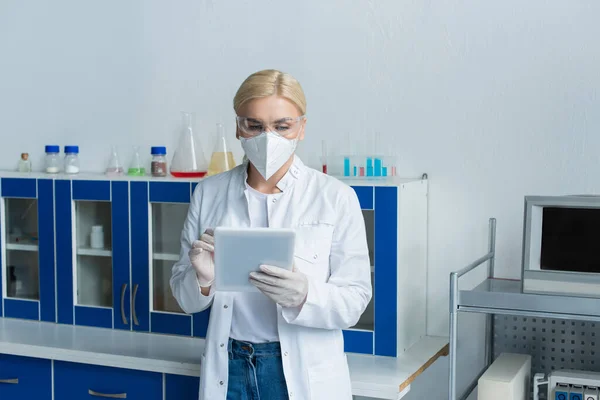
<point x="286" y="127"/>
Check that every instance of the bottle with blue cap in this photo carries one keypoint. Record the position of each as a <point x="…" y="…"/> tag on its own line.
<point x="158" y="165"/>
<point x="52" y="159"/>
<point x="72" y="159"/>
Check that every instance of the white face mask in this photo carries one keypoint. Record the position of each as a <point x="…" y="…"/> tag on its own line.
<point x="268" y="152"/>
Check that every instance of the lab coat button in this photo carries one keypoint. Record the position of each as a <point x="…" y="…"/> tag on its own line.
<point x="222" y="344"/>
<point x="225" y="306"/>
<point x="221" y="383"/>
<point x="316" y="256"/>
<point x="274" y="200"/>
<point x="285" y="354"/>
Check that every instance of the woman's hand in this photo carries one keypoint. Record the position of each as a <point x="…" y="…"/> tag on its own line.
<point x="202" y="256"/>
<point x="286" y="288"/>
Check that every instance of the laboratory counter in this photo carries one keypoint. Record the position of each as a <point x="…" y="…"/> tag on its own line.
<point x="372" y="376"/>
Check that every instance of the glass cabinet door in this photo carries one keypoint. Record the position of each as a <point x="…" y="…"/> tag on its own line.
<point x="92" y="253"/>
<point x="93" y="266"/>
<point x="27" y="256"/>
<point x="367" y="319"/>
<point x="167" y="223"/>
<point x="21" y="263"/>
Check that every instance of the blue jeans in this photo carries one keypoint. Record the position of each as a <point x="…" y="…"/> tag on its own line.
<point x="255" y="372"/>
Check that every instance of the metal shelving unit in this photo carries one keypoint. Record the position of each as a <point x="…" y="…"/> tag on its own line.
<point x="505" y="297"/>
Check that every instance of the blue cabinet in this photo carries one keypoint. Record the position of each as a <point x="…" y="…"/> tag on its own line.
<point x="93" y="277"/>
<point x="74" y="381"/>
<point x="25" y="378"/>
<point x="28" y="243"/>
<point x="179" y="387"/>
<point x="158" y="211"/>
<point x="396" y="223"/>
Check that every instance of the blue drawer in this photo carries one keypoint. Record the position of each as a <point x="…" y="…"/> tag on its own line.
<point x="179" y="387"/>
<point x="25" y="378"/>
<point x="84" y="382"/>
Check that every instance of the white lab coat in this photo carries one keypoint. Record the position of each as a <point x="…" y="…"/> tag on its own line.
<point x="331" y="249"/>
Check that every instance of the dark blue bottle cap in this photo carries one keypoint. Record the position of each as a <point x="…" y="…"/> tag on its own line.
<point x="158" y="150"/>
<point x="72" y="149"/>
<point x="52" y="149"/>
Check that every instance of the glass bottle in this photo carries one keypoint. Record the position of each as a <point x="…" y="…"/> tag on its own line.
<point x="24" y="163"/>
<point x="158" y="165"/>
<point x="72" y="159"/>
<point x="221" y="159"/>
<point x="189" y="160"/>
<point x="136" y="168"/>
<point x="52" y="159"/>
<point x="114" y="167"/>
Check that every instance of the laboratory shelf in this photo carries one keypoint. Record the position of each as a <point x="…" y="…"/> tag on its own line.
<point x="372" y="376"/>
<point x="502" y="296"/>
<point x="88" y="251"/>
<point x="22" y="246"/>
<point x="165" y="257"/>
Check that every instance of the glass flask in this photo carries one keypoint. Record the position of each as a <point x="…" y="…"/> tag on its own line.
<point x="136" y="168"/>
<point x="189" y="160"/>
<point x="221" y="159"/>
<point x="114" y="166"/>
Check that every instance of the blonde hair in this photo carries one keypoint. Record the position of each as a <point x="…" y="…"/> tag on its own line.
<point x="267" y="83"/>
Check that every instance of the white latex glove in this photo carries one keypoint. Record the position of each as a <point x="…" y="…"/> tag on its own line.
<point x="202" y="256"/>
<point x="286" y="288"/>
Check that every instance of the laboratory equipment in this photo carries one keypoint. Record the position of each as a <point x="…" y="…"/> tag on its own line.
<point x="72" y="159"/>
<point x="568" y="385"/>
<point x="52" y="159"/>
<point x="189" y="160"/>
<point x="136" y="168"/>
<point x="323" y="157"/>
<point x="221" y="159"/>
<point x="97" y="237"/>
<point x="362" y="166"/>
<point x="254" y="247"/>
<point x="506" y="379"/>
<point x="24" y="163"/>
<point x="114" y="167"/>
<point x="158" y="165"/>
<point x="560" y="249"/>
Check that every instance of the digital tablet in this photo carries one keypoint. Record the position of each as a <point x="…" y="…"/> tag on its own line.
<point x="239" y="251"/>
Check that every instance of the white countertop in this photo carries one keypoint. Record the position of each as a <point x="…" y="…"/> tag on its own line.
<point x="372" y="376"/>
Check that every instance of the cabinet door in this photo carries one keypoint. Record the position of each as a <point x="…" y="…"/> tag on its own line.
<point x="84" y="382"/>
<point x="179" y="387"/>
<point x="28" y="243"/>
<point x="93" y="276"/>
<point x="25" y="378"/>
<point x="159" y="209"/>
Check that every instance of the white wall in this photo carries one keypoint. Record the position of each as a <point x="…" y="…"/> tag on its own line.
<point x="493" y="99"/>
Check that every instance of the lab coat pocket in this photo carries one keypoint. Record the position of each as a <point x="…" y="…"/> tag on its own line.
<point x="313" y="246"/>
<point x="330" y="380"/>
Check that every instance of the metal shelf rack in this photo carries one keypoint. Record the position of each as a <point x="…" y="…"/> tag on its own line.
<point x="505" y="297"/>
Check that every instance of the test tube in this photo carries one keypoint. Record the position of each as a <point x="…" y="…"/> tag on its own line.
<point x="378" y="159"/>
<point x="347" y="156"/>
<point x="369" y="166"/>
<point x="324" y="156"/>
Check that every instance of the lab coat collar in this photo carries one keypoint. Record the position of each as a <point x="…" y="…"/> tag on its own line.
<point x="293" y="174"/>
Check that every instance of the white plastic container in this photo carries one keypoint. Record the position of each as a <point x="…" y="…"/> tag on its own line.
<point x="97" y="237"/>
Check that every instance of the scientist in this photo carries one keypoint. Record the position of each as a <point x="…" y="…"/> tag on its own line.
<point x="286" y="342"/>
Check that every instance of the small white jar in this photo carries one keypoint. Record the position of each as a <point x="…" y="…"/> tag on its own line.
<point x="97" y="237"/>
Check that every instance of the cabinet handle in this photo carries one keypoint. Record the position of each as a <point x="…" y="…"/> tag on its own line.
<point x="135" y="320"/>
<point x="123" y="317"/>
<point x="10" y="381"/>
<point x="110" y="396"/>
